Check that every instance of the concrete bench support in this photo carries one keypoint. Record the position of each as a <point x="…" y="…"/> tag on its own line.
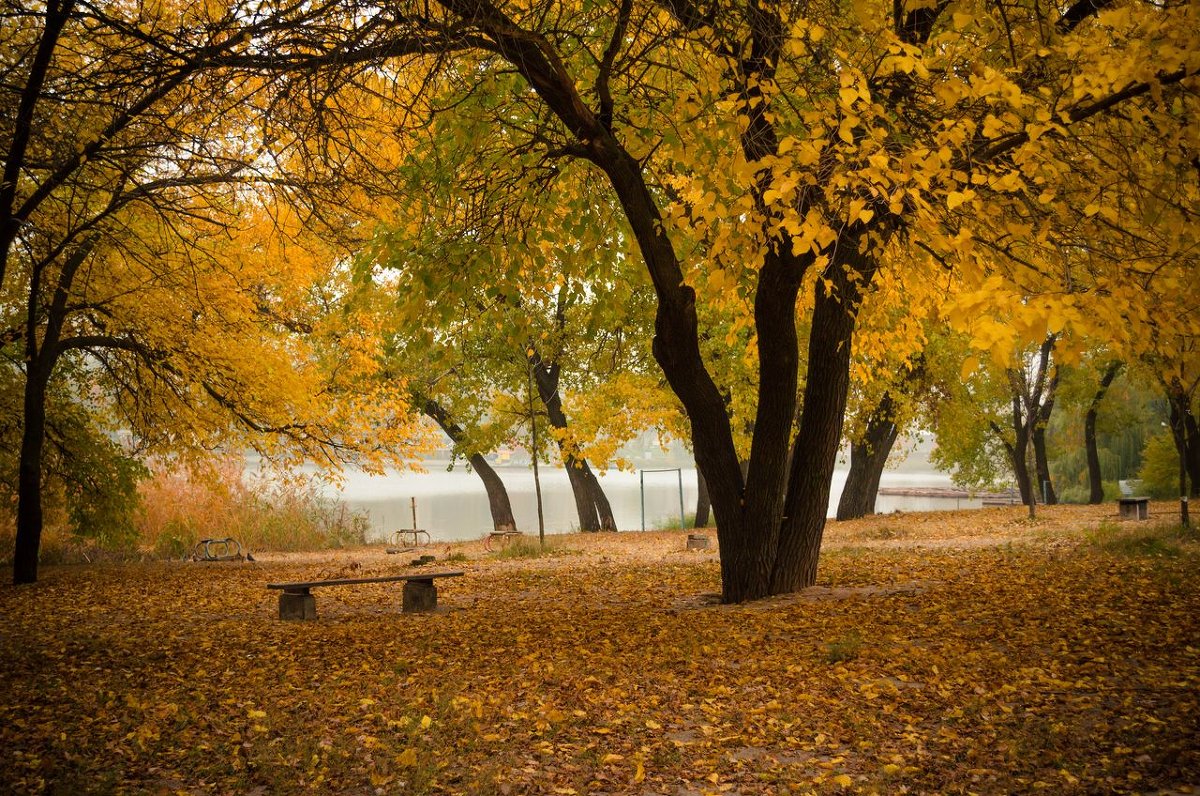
<point x="297" y="605"/>
<point x="420" y="596"/>
<point x="1134" y="508"/>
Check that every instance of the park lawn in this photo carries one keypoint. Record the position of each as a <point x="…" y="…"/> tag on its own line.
<point x="974" y="652"/>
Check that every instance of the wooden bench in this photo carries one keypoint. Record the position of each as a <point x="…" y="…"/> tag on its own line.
<point x="1133" y="508"/>
<point x="297" y="602"/>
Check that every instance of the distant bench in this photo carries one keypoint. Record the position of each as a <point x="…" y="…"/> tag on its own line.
<point x="1133" y="508"/>
<point x="297" y="602"/>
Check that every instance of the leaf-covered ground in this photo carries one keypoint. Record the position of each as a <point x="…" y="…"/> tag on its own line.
<point x="966" y="653"/>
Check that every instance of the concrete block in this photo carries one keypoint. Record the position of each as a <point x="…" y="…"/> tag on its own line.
<point x="419" y="596"/>
<point x="297" y="606"/>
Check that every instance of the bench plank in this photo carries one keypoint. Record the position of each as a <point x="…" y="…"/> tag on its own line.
<point x="312" y="584"/>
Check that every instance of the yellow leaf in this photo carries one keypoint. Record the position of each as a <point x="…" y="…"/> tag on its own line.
<point x="653" y="725"/>
<point x="612" y="758"/>
<point x="425" y="722"/>
<point x="968" y="366"/>
<point x="956" y="198"/>
<point x="842" y="780"/>
<point x="640" y="773"/>
<point x="407" y="758"/>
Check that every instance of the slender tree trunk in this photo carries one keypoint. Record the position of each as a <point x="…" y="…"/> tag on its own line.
<point x="702" y="501"/>
<point x="1185" y="431"/>
<point x="29" y="479"/>
<point x="1095" y="477"/>
<point x="593" y="508"/>
<point x="867" y="459"/>
<point x="40" y="361"/>
<point x="498" y="502"/>
<point x="1042" y="466"/>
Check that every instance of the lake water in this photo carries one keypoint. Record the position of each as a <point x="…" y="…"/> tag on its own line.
<point x="453" y="505"/>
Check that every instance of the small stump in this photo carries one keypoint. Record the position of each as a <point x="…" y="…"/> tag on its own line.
<point x="420" y="596"/>
<point x="297" y="605"/>
<point x="697" y="541"/>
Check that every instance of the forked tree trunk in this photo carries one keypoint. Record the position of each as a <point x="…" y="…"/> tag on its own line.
<point x="765" y="547"/>
<point x="1095" y="477"/>
<point x="816" y="445"/>
<point x="592" y="506"/>
<point x="867" y="459"/>
<point x="703" y="503"/>
<point x="498" y="502"/>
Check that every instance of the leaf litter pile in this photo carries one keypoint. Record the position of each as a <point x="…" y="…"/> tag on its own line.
<point x="975" y="652"/>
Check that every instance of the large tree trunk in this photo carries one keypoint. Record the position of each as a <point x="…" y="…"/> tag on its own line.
<point x="29" y="478"/>
<point x="604" y="512"/>
<point x="498" y="502"/>
<point x="867" y="459"/>
<point x="1095" y="477"/>
<point x="703" y="502"/>
<point x="585" y="503"/>
<point x="815" y="449"/>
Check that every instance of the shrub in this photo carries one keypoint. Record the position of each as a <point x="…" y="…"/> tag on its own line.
<point x="1160" y="467"/>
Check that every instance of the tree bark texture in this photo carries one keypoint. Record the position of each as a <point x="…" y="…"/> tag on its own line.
<point x="498" y="502"/>
<point x="867" y="459"/>
<point x="1095" y="477"/>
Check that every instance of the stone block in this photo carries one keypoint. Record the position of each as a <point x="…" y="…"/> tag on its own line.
<point x="419" y="596"/>
<point x="297" y="606"/>
<point x="697" y="541"/>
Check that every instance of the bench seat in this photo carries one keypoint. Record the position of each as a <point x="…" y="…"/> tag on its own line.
<point x="420" y="595"/>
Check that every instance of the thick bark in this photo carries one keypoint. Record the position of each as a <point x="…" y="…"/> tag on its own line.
<point x="703" y="503"/>
<point x="1095" y="478"/>
<point x="867" y="459"/>
<point x="816" y="444"/>
<point x="498" y="502"/>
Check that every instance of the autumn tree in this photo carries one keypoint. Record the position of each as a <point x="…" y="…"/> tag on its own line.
<point x="131" y="139"/>
<point x="768" y="150"/>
